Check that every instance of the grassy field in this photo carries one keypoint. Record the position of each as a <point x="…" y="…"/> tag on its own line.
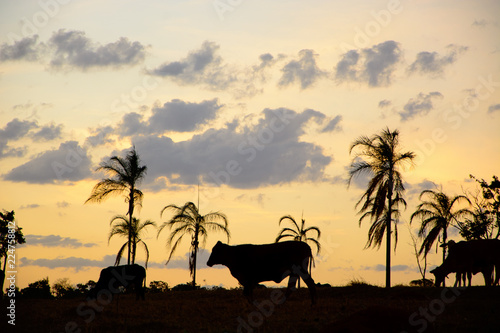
<point x="358" y="308"/>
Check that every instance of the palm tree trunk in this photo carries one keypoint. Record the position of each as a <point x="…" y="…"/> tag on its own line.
<point x="195" y="245"/>
<point x="445" y="236"/>
<point x="388" y="234"/>
<point x="130" y="213"/>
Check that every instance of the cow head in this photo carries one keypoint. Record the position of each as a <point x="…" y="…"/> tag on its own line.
<point x="218" y="254"/>
<point x="439" y="275"/>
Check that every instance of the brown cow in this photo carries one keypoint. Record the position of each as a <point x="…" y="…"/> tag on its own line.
<point x="252" y="264"/>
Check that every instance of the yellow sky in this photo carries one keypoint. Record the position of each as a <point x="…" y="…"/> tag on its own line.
<point x="189" y="84"/>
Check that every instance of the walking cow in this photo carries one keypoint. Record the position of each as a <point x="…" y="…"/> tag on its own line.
<point x="252" y="264"/>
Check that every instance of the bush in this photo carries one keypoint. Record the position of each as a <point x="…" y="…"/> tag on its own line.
<point x="38" y="289"/>
<point x="185" y="287"/>
<point x="158" y="287"/>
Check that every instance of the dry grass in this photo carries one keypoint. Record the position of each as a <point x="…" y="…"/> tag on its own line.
<point x="356" y="308"/>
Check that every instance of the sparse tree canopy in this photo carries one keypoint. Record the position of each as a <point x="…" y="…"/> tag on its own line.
<point x="299" y="233"/>
<point x="188" y="221"/>
<point x="125" y="174"/>
<point x="381" y="158"/>
<point x="122" y="227"/>
<point x="436" y="213"/>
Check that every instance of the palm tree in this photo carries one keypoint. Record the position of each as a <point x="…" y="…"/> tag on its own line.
<point x="377" y="229"/>
<point x="382" y="160"/>
<point x="125" y="175"/>
<point x="187" y="220"/>
<point x="122" y="228"/>
<point x="299" y="234"/>
<point x="437" y="212"/>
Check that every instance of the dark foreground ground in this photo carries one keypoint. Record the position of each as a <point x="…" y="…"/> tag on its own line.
<point x="339" y="309"/>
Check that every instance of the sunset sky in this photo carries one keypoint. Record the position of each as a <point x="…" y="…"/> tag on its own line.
<point x="257" y="101"/>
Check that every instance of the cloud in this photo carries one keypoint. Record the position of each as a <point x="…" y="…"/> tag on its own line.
<point x="182" y="262"/>
<point x="304" y="70"/>
<point x="480" y="23"/>
<point x="56" y="241"/>
<point x="29" y="206"/>
<point x="14" y="130"/>
<point x="420" y="105"/>
<point x="69" y="162"/>
<point x="100" y="136"/>
<point x="63" y="204"/>
<point x="203" y="66"/>
<point x="27" y="49"/>
<point x="414" y="190"/>
<point x="374" y="66"/>
<point x="173" y="116"/>
<point x="494" y="108"/>
<point x="73" y="50"/>
<point x="206" y="68"/>
<point x="432" y="64"/>
<point x="76" y="263"/>
<point x="245" y="153"/>
<point x="381" y="268"/>
<point x="180" y="116"/>
<point x="333" y="125"/>
<point x="48" y="133"/>
<point x="384" y="103"/>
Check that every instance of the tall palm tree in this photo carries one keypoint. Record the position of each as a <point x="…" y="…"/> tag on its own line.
<point x="188" y="220"/>
<point x="122" y="228"/>
<point x="380" y="156"/>
<point x="377" y="229"/>
<point x="437" y="212"/>
<point x="299" y="234"/>
<point x="125" y="174"/>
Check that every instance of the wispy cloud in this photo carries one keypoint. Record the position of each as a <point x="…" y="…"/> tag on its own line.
<point x="432" y="64"/>
<point x="420" y="105"/>
<point x="71" y="49"/>
<point x="55" y="241"/>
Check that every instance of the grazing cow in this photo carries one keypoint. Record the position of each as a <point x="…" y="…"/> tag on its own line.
<point x="114" y="277"/>
<point x="252" y="264"/>
<point x="470" y="258"/>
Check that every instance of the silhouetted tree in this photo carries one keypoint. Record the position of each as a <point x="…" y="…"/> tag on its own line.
<point x="437" y="212"/>
<point x="486" y="211"/>
<point x="188" y="221"/>
<point x="125" y="175"/>
<point x="37" y="289"/>
<point x="123" y="228"/>
<point x="12" y="238"/>
<point x="380" y="157"/>
<point x="299" y="234"/>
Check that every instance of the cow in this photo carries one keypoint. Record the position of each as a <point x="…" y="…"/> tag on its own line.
<point x="114" y="277"/>
<point x="252" y="264"/>
<point x="470" y="258"/>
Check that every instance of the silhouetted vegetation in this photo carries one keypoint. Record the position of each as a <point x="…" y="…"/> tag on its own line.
<point x="187" y="220"/>
<point x="125" y="175"/>
<point x="380" y="157"/>
<point x="437" y="212"/>
<point x="9" y="238"/>
<point x="122" y="227"/>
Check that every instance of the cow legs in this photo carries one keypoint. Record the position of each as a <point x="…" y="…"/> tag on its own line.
<point x="302" y="272"/>
<point x="458" y="279"/>
<point x="248" y="292"/>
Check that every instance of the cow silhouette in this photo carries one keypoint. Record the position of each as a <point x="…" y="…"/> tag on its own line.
<point x="114" y="277"/>
<point x="471" y="257"/>
<point x="252" y="264"/>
